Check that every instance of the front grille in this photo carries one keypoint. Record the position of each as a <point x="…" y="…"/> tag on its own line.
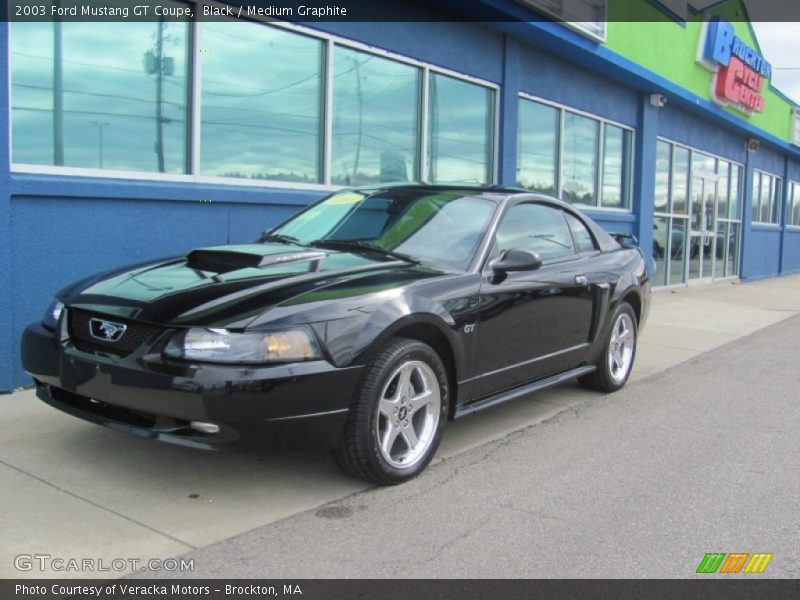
<point x="135" y="336"/>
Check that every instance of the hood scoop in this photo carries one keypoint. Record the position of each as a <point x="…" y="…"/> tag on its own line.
<point x="218" y="260"/>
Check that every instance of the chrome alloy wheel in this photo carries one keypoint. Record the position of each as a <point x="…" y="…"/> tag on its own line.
<point x="408" y="414"/>
<point x="621" y="347"/>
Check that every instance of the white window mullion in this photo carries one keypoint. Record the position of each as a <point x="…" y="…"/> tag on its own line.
<point x="422" y="167"/>
<point x="197" y="93"/>
<point x="601" y="143"/>
<point x="494" y="139"/>
<point x="327" y="114"/>
<point x="560" y="166"/>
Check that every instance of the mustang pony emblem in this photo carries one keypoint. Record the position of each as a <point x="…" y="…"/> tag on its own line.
<point x="106" y="331"/>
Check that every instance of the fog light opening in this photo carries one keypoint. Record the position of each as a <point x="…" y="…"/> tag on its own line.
<point x="204" y="427"/>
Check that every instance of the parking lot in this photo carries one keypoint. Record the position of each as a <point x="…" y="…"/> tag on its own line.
<point x="71" y="489"/>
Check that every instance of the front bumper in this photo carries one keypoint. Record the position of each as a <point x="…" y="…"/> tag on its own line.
<point x="276" y="407"/>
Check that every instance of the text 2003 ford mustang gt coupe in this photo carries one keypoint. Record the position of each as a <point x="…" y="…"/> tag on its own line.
<point x="363" y="323"/>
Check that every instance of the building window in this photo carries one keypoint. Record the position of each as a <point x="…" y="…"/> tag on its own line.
<point x="793" y="206"/>
<point x="689" y="182"/>
<point x="460" y="125"/>
<point x="766" y="200"/>
<point x="270" y="103"/>
<point x="676" y="8"/>
<point x="375" y="119"/>
<point x="581" y="159"/>
<point x="132" y="116"/>
<point x="616" y="163"/>
<point x="537" y="147"/>
<point x="587" y="16"/>
<point x="261" y="103"/>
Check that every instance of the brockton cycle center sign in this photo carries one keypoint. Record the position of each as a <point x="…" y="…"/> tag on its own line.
<point x="740" y="71"/>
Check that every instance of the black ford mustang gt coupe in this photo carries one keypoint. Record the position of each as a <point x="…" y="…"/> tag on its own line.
<point x="362" y="324"/>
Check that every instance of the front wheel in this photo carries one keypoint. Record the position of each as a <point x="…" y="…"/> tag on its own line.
<point x="615" y="364"/>
<point x="396" y="420"/>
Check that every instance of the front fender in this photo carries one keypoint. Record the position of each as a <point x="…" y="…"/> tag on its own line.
<point x="402" y="312"/>
<point x="355" y="340"/>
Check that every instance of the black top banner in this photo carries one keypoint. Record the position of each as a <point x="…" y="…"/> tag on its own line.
<point x="399" y="10"/>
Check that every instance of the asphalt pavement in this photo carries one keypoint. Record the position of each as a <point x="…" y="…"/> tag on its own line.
<point x="702" y="457"/>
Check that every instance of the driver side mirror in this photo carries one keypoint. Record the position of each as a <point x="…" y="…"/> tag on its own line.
<point x="515" y="260"/>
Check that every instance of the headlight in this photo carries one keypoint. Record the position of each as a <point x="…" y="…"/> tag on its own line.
<point x="50" y="319"/>
<point x="221" y="345"/>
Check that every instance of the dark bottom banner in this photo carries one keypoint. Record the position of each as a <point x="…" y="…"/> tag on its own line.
<point x="390" y="589"/>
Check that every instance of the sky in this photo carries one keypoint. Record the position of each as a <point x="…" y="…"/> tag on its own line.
<point x="780" y="44"/>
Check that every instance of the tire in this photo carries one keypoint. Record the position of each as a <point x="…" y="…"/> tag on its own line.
<point x="613" y="369"/>
<point x="404" y="397"/>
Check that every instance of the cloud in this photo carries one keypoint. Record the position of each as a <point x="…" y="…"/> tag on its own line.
<point x="781" y="46"/>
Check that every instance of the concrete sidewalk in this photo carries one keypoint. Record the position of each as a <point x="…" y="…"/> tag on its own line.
<point x="70" y="489"/>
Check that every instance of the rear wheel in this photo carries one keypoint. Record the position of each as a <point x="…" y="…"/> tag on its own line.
<point x="396" y="420"/>
<point x="615" y="364"/>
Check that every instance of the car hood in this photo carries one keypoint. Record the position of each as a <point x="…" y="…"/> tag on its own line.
<point x="223" y="286"/>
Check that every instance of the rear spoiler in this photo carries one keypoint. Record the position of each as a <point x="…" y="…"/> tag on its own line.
<point x="626" y="239"/>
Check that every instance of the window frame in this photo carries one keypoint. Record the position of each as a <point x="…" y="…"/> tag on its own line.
<point x="487" y="253"/>
<point x="597" y="30"/>
<point x="677" y="10"/>
<point x="329" y="42"/>
<point x="595" y="246"/>
<point x="493" y="117"/>
<point x="671" y="216"/>
<point x="545" y="260"/>
<point x="776" y="199"/>
<point x="599" y="154"/>
<point x="792" y="200"/>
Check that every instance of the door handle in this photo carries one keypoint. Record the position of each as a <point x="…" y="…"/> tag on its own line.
<point x="581" y="280"/>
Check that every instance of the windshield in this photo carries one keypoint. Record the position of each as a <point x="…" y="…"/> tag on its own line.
<point x="441" y="228"/>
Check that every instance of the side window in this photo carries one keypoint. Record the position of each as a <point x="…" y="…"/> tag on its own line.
<point x="538" y="228"/>
<point x="584" y="242"/>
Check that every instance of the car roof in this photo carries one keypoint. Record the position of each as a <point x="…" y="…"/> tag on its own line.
<point x="493" y="192"/>
<point x="422" y="187"/>
<point x="499" y="194"/>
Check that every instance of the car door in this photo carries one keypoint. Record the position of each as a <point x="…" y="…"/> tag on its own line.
<point x="532" y="324"/>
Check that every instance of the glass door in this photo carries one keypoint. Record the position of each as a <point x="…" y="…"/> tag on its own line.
<point x="697" y="216"/>
<point x="702" y="231"/>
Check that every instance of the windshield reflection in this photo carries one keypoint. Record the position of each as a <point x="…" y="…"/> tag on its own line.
<point x="443" y="228"/>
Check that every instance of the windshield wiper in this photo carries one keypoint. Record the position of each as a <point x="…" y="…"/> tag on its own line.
<point x="549" y="238"/>
<point x="281" y="239"/>
<point x="365" y="246"/>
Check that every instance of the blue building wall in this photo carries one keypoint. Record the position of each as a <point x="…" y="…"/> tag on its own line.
<point x="441" y="44"/>
<point x="552" y="78"/>
<point x="693" y="130"/>
<point x="56" y="229"/>
<point x="763" y="243"/>
<point x="791" y="251"/>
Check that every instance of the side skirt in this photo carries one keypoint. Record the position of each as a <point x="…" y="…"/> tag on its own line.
<point x="512" y="394"/>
